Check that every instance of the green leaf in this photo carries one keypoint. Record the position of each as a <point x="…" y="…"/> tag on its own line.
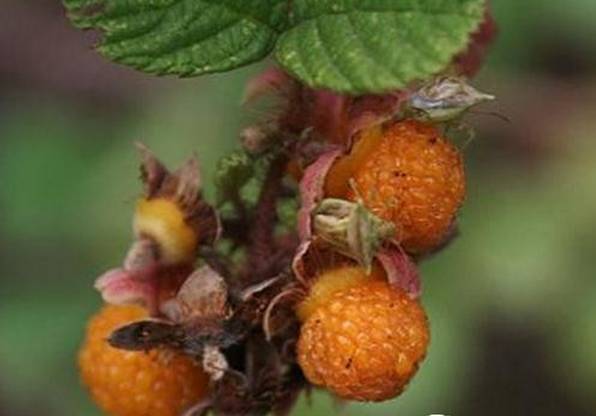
<point x="363" y="46"/>
<point x="183" y="37"/>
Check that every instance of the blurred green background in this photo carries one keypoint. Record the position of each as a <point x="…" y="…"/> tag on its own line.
<point x="512" y="302"/>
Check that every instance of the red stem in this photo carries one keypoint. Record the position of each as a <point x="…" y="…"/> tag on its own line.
<point x="262" y="245"/>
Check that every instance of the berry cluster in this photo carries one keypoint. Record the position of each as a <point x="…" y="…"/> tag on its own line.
<point x="303" y="274"/>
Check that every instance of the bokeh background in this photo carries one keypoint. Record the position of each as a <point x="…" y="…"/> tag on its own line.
<point x="512" y="302"/>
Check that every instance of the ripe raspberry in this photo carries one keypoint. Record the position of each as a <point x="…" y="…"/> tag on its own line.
<point x="132" y="383"/>
<point x="362" y="339"/>
<point x="407" y="173"/>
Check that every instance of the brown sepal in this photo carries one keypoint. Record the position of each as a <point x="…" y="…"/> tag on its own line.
<point x="153" y="172"/>
<point x="203" y="296"/>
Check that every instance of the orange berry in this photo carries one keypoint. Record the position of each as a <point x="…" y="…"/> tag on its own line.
<point x="407" y="173"/>
<point x="133" y="383"/>
<point x="363" y="339"/>
<point x="337" y="182"/>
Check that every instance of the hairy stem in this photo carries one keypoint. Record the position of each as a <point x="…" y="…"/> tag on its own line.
<point x="262" y="245"/>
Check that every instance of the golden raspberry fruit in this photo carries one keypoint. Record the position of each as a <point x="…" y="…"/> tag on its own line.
<point x="360" y="338"/>
<point x="133" y="383"/>
<point x="407" y="173"/>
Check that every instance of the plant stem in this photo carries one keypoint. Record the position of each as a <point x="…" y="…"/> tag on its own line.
<point x="262" y="245"/>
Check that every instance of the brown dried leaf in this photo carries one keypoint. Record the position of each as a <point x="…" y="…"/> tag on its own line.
<point x="311" y="193"/>
<point x="188" y="191"/>
<point x="203" y="296"/>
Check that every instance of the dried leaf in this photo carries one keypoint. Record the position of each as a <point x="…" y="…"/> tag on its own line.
<point x="188" y="191"/>
<point x="214" y="362"/>
<point x="311" y="193"/>
<point x="311" y="190"/>
<point x="123" y="287"/>
<point x="203" y="296"/>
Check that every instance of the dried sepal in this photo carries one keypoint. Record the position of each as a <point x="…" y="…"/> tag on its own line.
<point x="205" y="218"/>
<point x="137" y="282"/>
<point x="203" y="296"/>
<point x="123" y="287"/>
<point x="254" y="290"/>
<point x="312" y="190"/>
<point x="153" y="172"/>
<point x="351" y="229"/>
<point x="268" y="384"/>
<point x="188" y="190"/>
<point x="201" y="408"/>
<point x="298" y="266"/>
<point x="254" y="303"/>
<point x="290" y="294"/>
<point x="311" y="194"/>
<point x="142" y="280"/>
<point x="214" y="362"/>
<point x="400" y="269"/>
<point x="148" y="286"/>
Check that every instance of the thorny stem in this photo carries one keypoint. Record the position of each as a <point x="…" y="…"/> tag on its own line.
<point x="261" y="233"/>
